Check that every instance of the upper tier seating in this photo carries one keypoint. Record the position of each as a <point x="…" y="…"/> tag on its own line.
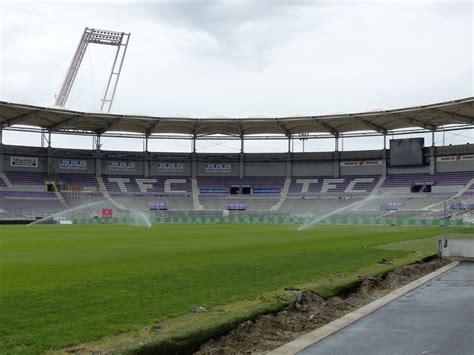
<point x="440" y="179"/>
<point x="305" y="194"/>
<point x="329" y="184"/>
<point x="216" y="182"/>
<point x="78" y="180"/>
<point x="26" y="177"/>
<point x="157" y="185"/>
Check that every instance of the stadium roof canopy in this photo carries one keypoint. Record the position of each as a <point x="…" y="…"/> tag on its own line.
<point x="457" y="113"/>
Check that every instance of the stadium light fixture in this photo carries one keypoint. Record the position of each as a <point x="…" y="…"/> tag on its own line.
<point x="103" y="37"/>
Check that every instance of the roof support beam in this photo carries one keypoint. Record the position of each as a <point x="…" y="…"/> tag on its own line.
<point x="194" y="144"/>
<point x="239" y="128"/>
<point x="58" y="126"/>
<point x="108" y="126"/>
<point x="454" y="116"/>
<point x="282" y="127"/>
<point x="414" y="121"/>
<point x="196" y="128"/>
<point x="373" y="126"/>
<point x="153" y="127"/>
<point x="17" y="119"/>
<point x="327" y="127"/>
<point x="241" y="135"/>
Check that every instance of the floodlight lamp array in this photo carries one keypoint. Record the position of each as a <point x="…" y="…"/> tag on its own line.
<point x="104" y="37"/>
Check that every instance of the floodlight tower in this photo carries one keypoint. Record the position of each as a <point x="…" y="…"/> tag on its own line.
<point x="109" y="38"/>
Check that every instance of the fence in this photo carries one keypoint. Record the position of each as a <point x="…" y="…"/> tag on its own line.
<point x="280" y="220"/>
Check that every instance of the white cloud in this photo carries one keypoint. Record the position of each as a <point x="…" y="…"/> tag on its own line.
<point x="241" y="58"/>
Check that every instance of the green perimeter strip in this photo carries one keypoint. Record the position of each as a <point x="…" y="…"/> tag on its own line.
<point x="278" y="220"/>
<point x="184" y="332"/>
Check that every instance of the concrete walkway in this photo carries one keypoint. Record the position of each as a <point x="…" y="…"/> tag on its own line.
<point x="435" y="318"/>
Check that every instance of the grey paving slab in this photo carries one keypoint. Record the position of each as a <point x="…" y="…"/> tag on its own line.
<point x="435" y="318"/>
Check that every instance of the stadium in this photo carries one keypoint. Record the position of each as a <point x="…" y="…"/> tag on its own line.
<point x="406" y="183"/>
<point x="121" y="251"/>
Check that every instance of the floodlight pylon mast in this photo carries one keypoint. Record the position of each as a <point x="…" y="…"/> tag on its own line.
<point x="105" y="37"/>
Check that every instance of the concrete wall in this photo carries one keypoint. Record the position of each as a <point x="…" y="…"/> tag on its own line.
<point x="250" y="164"/>
<point x="461" y="248"/>
<point x="42" y="163"/>
<point x="410" y="170"/>
<point x="139" y="168"/>
<point x="466" y="165"/>
<point x="201" y="169"/>
<point x="362" y="154"/>
<point x="361" y="170"/>
<point x="90" y="167"/>
<point x="312" y="168"/>
<point x="455" y="149"/>
<point x="265" y="169"/>
<point x="186" y="168"/>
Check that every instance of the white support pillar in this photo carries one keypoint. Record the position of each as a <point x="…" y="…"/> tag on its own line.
<point x="146" y="142"/>
<point x="432" y="160"/>
<point x="336" y="156"/>
<point x="98" y="166"/>
<point x="242" y="166"/>
<point x="289" y="168"/>
<point x="384" y="156"/>
<point x="98" y="160"/>
<point x="50" y="169"/>
<point x="96" y="142"/>
<point x="1" y="150"/>
<point x="146" y="168"/>
<point x="194" y="166"/>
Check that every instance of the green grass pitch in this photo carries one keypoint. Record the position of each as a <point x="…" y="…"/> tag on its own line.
<point x="65" y="285"/>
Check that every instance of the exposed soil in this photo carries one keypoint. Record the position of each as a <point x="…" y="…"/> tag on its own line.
<point x="270" y="331"/>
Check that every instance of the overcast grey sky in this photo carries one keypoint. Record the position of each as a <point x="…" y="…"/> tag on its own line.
<point x="243" y="58"/>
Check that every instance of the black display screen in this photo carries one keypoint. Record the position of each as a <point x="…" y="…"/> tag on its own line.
<point x="406" y="152"/>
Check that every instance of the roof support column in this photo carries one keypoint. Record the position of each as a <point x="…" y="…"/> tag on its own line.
<point x="96" y="142"/>
<point x="45" y="139"/>
<point x="98" y="160"/>
<point x="242" y="158"/>
<point x="289" y="167"/>
<point x="289" y="144"/>
<point x="1" y="149"/>
<point x="193" y="165"/>
<point x="384" y="156"/>
<point x="146" y="161"/>
<point x="146" y="167"/>
<point x="50" y="168"/>
<point x="194" y="158"/>
<point x="49" y="160"/>
<point x="432" y="138"/>
<point x="432" y="156"/>
<point x="336" y="156"/>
